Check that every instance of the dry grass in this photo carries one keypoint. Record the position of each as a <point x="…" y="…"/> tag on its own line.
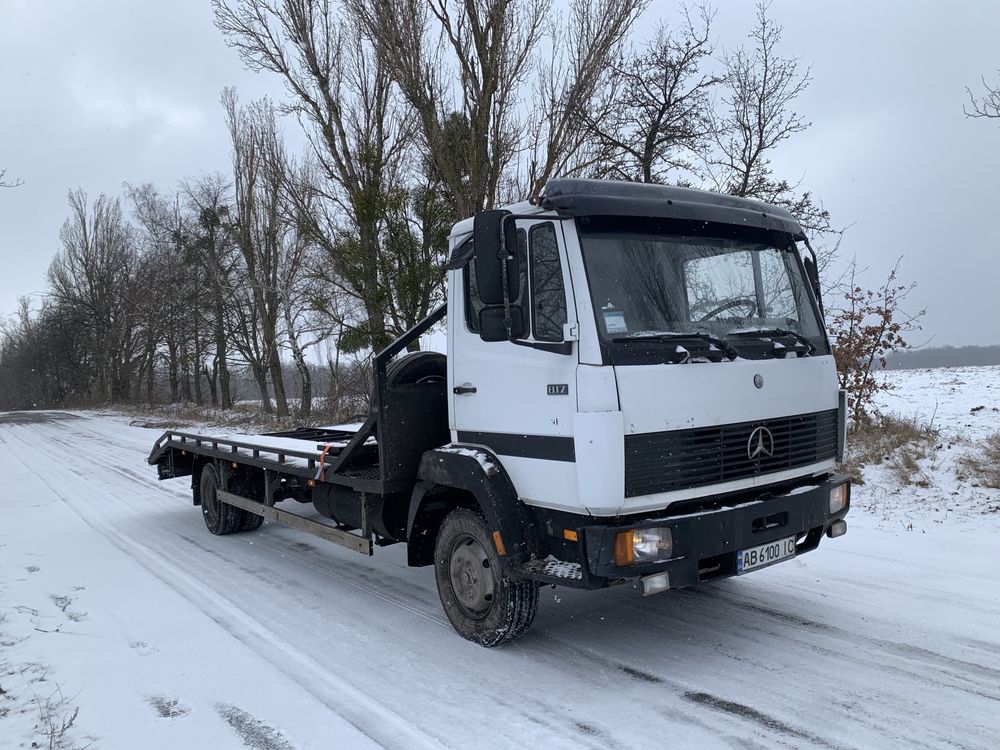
<point x="982" y="466"/>
<point x="901" y="444"/>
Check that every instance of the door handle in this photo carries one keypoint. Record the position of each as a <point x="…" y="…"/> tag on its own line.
<point x="458" y="390"/>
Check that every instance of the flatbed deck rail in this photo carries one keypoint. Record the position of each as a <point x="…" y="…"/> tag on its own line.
<point x="271" y="458"/>
<point x="226" y="447"/>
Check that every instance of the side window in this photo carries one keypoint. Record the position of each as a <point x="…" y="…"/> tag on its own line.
<point x="472" y="302"/>
<point x="548" y="309"/>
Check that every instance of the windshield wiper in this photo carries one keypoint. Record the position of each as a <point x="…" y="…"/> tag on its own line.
<point x="724" y="346"/>
<point x="773" y="333"/>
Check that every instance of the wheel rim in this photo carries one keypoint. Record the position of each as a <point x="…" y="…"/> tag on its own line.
<point x="209" y="503"/>
<point x="471" y="577"/>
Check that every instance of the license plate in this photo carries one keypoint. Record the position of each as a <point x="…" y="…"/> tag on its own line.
<point x="766" y="554"/>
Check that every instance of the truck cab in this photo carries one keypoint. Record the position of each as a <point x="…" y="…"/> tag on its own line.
<point x="649" y="368"/>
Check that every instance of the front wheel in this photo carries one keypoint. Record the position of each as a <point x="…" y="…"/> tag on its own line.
<point x="483" y="603"/>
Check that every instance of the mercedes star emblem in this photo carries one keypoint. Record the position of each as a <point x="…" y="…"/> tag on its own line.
<point x="760" y="444"/>
<point x="758" y="380"/>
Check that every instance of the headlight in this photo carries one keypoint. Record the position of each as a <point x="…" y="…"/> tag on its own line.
<point x="643" y="546"/>
<point x="838" y="497"/>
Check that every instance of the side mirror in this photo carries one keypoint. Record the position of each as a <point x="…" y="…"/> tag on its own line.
<point x="493" y="326"/>
<point x="494" y="242"/>
<point x="813" y="274"/>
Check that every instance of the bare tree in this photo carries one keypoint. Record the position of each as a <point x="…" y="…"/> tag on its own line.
<point x="569" y="83"/>
<point x="45" y="358"/>
<point x="655" y="119"/>
<point x="5" y="183"/>
<point x="259" y="174"/>
<point x="304" y="327"/>
<point x="94" y="275"/>
<point x="171" y="310"/>
<point x="343" y="95"/>
<point x="762" y="87"/>
<point x="868" y="325"/>
<point x="207" y="234"/>
<point x="986" y="105"/>
<point x="460" y="64"/>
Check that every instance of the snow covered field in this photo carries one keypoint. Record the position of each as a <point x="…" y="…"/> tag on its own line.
<point x="122" y="616"/>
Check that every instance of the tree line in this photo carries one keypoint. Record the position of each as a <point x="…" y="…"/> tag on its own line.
<point x="945" y="356"/>
<point x="416" y="113"/>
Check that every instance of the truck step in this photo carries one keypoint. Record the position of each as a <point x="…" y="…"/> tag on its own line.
<point x="552" y="570"/>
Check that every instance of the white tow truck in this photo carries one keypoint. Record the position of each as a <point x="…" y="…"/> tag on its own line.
<point x="638" y="388"/>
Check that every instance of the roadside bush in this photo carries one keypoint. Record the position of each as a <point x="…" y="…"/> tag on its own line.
<point x="982" y="467"/>
<point x="867" y="326"/>
<point x="896" y="442"/>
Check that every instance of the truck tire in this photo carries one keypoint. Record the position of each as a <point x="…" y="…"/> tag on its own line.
<point x="483" y="603"/>
<point x="222" y="518"/>
<point x="251" y="521"/>
<point x="417" y="367"/>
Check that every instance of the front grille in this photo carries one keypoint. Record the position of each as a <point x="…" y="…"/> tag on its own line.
<point x="680" y="459"/>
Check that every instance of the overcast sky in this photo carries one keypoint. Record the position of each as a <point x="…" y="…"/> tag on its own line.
<point x="96" y="93"/>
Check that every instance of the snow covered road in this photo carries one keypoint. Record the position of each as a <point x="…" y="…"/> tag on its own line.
<point x="164" y="636"/>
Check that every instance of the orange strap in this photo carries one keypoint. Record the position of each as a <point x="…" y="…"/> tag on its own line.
<point x="320" y="472"/>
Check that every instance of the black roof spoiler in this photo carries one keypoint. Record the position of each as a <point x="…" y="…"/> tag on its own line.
<point x="580" y="197"/>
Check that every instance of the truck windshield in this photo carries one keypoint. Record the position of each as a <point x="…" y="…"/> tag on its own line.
<point x="744" y="292"/>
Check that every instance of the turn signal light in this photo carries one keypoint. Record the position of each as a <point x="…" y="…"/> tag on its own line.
<point x="624" y="549"/>
<point x="643" y="546"/>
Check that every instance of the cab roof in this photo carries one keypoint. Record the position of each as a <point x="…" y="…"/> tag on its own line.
<point x="572" y="196"/>
<point x="580" y="197"/>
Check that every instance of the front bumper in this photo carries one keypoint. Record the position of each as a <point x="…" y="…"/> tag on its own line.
<point x="705" y="544"/>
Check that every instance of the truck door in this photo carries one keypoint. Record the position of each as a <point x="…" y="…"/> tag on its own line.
<point x="518" y="398"/>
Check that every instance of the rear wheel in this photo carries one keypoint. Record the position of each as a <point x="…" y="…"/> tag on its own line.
<point x="222" y="518"/>
<point x="251" y="521"/>
<point x="483" y="603"/>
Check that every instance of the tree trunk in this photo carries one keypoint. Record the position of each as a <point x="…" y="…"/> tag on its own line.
<point x="151" y="377"/>
<point x="265" y="398"/>
<point x="376" y="325"/>
<point x="185" y="378"/>
<point x="199" y="398"/>
<point x="212" y="378"/>
<point x="305" y="378"/>
<point x="172" y="371"/>
<point x="221" y="352"/>
<point x="278" y="383"/>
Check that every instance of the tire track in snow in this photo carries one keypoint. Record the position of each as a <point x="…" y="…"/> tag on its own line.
<point x="588" y="735"/>
<point x="872" y="659"/>
<point x="375" y="586"/>
<point x="615" y="666"/>
<point x="555" y="648"/>
<point x="117" y="532"/>
<point x="722" y="609"/>
<point x="904" y="649"/>
<point x="376" y="721"/>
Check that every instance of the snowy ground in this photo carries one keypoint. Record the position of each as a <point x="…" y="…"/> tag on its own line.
<point x="963" y="405"/>
<point x="120" y="612"/>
